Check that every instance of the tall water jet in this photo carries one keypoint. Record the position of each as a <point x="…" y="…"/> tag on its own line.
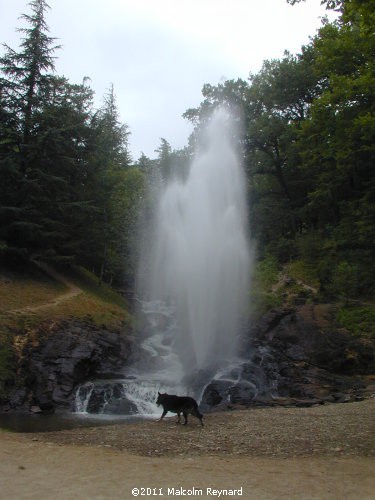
<point x="193" y="287"/>
<point x="200" y="257"/>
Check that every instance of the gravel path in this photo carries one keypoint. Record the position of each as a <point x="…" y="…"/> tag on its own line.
<point x="329" y="430"/>
<point x="319" y="453"/>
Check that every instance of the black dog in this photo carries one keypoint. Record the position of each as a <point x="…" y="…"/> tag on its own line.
<point x="178" y="404"/>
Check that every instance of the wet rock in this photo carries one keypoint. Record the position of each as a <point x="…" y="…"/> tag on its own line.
<point x="243" y="392"/>
<point x="109" y="398"/>
<point x="291" y="357"/>
<point x="299" y="357"/>
<point x="340" y="397"/>
<point x="296" y="353"/>
<point x="215" y="393"/>
<point x="35" y="409"/>
<point x="121" y="406"/>
<point x="308" y="403"/>
<point x="63" y="358"/>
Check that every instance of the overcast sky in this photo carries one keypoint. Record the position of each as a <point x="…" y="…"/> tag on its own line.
<point x="159" y="53"/>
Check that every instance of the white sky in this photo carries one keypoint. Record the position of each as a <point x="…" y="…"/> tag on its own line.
<point x="159" y="53"/>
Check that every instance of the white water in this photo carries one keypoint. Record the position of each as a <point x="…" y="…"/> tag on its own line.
<point x="159" y="369"/>
<point x="198" y="270"/>
<point x="200" y="261"/>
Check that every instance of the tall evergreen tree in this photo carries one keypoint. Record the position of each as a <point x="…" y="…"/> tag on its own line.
<point x="28" y="71"/>
<point x="109" y="160"/>
<point x="164" y="159"/>
<point x="24" y="85"/>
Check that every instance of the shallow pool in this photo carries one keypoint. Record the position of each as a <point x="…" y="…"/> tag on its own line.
<point x="21" y="422"/>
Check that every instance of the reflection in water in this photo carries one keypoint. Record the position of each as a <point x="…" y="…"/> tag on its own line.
<point x="21" y="422"/>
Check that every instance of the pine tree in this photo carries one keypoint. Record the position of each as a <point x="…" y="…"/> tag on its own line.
<point x="26" y="71"/>
<point x="164" y="158"/>
<point x="40" y="140"/>
<point x="23" y="85"/>
<point x="108" y="160"/>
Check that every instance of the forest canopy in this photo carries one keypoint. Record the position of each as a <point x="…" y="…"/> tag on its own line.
<point x="71" y="193"/>
<point x="309" y="150"/>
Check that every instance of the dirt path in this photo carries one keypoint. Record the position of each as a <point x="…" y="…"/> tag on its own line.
<point x="35" y="470"/>
<point x="284" y="279"/>
<point x="73" y="291"/>
<point x="278" y="453"/>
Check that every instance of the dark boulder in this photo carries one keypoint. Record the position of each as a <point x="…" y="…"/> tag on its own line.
<point x="56" y="360"/>
<point x="109" y="398"/>
<point x="215" y="393"/>
<point x="242" y="392"/>
<point x="297" y="357"/>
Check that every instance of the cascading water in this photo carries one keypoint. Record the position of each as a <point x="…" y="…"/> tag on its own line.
<point x="197" y="268"/>
<point x="201" y="256"/>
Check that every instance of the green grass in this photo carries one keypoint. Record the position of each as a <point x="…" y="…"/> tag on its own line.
<point x="92" y="285"/>
<point x="274" y="286"/>
<point x="30" y="287"/>
<point x="266" y="273"/>
<point x="262" y="297"/>
<point x="303" y="271"/>
<point x="359" y="320"/>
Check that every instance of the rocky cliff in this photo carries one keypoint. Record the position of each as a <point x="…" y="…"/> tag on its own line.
<point x="297" y="357"/>
<point x="55" y="358"/>
<point x="288" y="357"/>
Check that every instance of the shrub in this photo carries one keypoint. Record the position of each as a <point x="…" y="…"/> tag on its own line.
<point x="345" y="280"/>
<point x="359" y="320"/>
<point x="262" y="297"/>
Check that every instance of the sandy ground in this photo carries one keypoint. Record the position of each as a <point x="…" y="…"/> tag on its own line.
<point x="36" y="470"/>
<point x="55" y="466"/>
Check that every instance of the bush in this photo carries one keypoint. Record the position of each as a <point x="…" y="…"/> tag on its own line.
<point x="304" y="271"/>
<point x="265" y="275"/>
<point x="6" y="362"/>
<point x="309" y="246"/>
<point x="359" y="320"/>
<point x="282" y="249"/>
<point x="345" y="280"/>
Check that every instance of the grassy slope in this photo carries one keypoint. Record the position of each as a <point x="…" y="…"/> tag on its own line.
<point x="297" y="282"/>
<point x="24" y="290"/>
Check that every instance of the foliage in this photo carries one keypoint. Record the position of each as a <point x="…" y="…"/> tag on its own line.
<point x="70" y="194"/>
<point x="309" y="149"/>
<point x="303" y="271"/>
<point x="64" y="166"/>
<point x="23" y="291"/>
<point x="25" y="287"/>
<point x="262" y="296"/>
<point x="266" y="272"/>
<point x="6" y="362"/>
<point x="359" y="320"/>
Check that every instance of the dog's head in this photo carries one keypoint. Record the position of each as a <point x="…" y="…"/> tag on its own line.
<point x="161" y="398"/>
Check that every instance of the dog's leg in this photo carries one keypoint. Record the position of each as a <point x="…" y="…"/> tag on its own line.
<point x="185" y="417"/>
<point x="178" y="417"/>
<point x="199" y="416"/>
<point x="163" y="415"/>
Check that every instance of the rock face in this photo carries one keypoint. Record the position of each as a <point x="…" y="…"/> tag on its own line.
<point x="295" y="357"/>
<point x="288" y="357"/>
<point x="60" y="358"/>
<point x="106" y="397"/>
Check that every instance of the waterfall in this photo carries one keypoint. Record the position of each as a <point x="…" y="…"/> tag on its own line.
<point x="197" y="281"/>
<point x="200" y="259"/>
